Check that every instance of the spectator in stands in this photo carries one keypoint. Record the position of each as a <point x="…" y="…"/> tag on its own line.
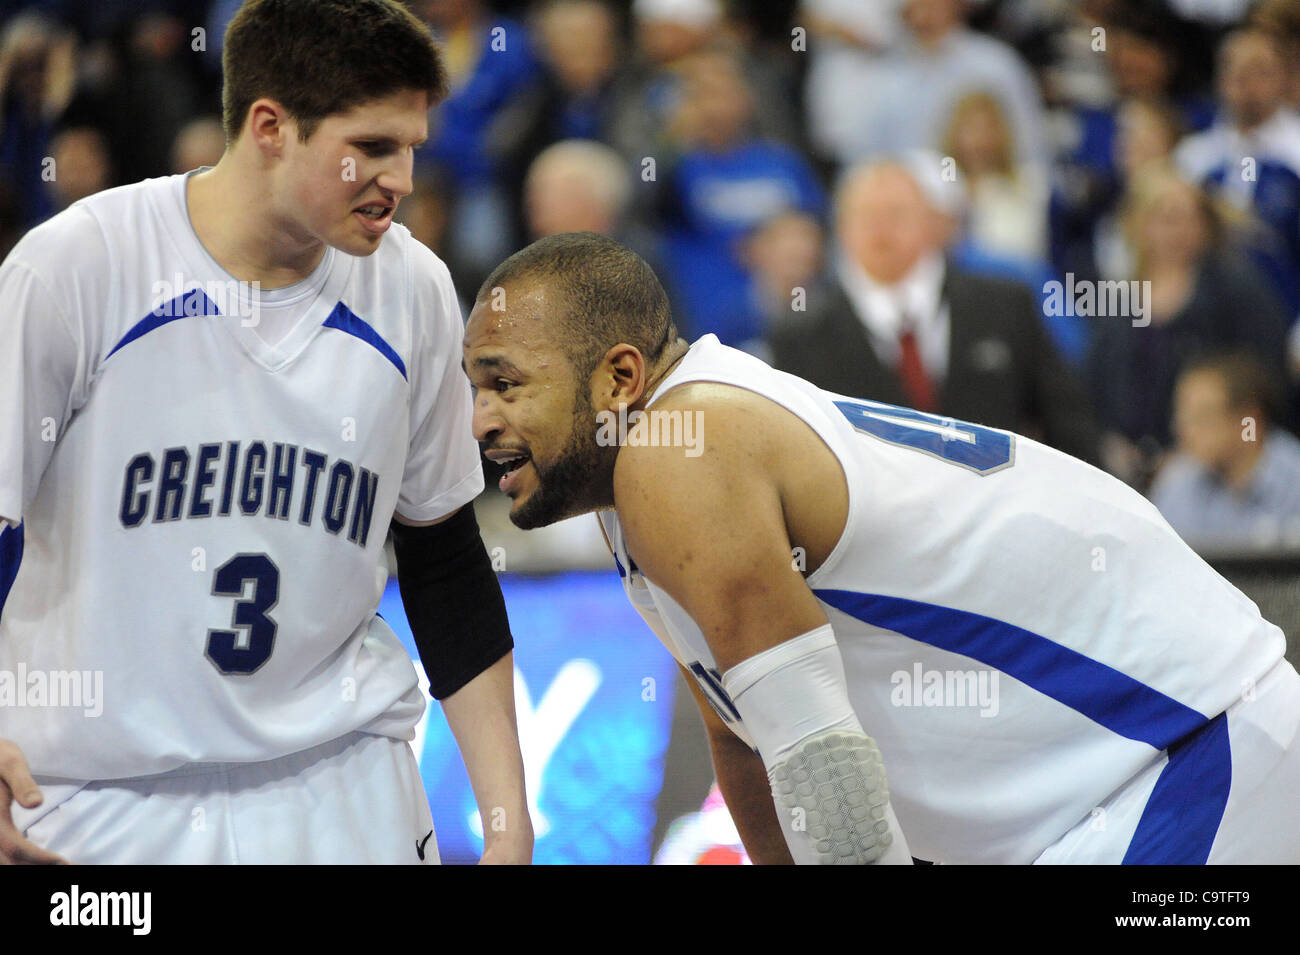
<point x="427" y="210"/>
<point x="1004" y="222"/>
<point x="574" y="97"/>
<point x="201" y="142"/>
<point x="82" y="166"/>
<point x="576" y="186"/>
<point x="905" y="326"/>
<point x="1201" y="294"/>
<point x="37" y="81"/>
<point x="581" y="50"/>
<point x="1006" y="200"/>
<point x="847" y="43"/>
<point x="786" y="259"/>
<point x="157" y="90"/>
<point x="1281" y="19"/>
<point x="668" y="35"/>
<point x="1145" y="65"/>
<point x="490" y="63"/>
<point x="1235" y="481"/>
<point x="939" y="61"/>
<point x="725" y="183"/>
<point x="579" y="185"/>
<point x="427" y="213"/>
<point x="1251" y="157"/>
<point x="1148" y="131"/>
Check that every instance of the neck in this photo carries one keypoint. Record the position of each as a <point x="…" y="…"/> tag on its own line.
<point x="228" y="209"/>
<point x="673" y="356"/>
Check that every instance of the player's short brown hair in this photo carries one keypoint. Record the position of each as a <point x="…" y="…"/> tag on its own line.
<point x="611" y="296"/>
<point x="320" y="57"/>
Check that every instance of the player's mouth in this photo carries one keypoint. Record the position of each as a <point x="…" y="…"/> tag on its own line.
<point x="376" y="217"/>
<point x="513" y="462"/>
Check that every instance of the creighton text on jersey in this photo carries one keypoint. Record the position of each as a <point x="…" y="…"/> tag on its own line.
<point x="224" y="478"/>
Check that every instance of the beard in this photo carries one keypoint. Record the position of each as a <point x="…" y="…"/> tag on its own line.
<point x="570" y="485"/>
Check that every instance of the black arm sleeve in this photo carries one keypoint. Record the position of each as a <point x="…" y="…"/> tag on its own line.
<point x="453" y="600"/>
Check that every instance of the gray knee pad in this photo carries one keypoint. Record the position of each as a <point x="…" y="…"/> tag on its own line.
<point x="834" y="787"/>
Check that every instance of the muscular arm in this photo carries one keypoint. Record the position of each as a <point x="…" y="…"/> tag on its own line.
<point x="743" y="782"/>
<point x="711" y="531"/>
<point x="742" y="778"/>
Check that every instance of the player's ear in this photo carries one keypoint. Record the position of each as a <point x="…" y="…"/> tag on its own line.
<point x="623" y="372"/>
<point x="268" y="124"/>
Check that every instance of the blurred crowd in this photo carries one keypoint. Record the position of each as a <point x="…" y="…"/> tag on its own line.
<point x="1077" y="219"/>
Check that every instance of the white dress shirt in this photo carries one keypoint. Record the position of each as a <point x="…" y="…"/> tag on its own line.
<point x="918" y="296"/>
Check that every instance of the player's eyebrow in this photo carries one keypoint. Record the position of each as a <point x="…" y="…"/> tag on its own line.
<point x="383" y="142"/>
<point x="493" y="363"/>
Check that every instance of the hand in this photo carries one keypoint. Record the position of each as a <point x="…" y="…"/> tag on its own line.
<point x="16" y="783"/>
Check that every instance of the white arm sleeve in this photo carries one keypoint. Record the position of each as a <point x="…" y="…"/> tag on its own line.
<point x="827" y="776"/>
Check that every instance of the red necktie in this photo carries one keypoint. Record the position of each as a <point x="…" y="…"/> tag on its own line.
<point x="911" y="373"/>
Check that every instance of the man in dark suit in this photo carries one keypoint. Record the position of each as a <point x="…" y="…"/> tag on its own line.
<point x="902" y="325"/>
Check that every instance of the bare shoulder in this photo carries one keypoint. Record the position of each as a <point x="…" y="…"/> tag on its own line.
<point x="752" y="459"/>
<point x="697" y="433"/>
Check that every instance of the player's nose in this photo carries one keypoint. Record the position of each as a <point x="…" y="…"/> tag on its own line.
<point x="399" y="178"/>
<point x="487" y="423"/>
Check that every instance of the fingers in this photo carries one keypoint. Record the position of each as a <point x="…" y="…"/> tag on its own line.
<point x="15" y="775"/>
<point x="16" y="783"/>
<point x="14" y="849"/>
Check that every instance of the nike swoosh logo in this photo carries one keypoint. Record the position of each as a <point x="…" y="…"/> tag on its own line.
<point x="421" y="843"/>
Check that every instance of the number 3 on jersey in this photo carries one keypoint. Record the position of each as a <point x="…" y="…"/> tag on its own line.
<point x="248" y="646"/>
<point x="971" y="446"/>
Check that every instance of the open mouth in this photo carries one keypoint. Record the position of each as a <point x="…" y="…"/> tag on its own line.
<point x="375" y="217"/>
<point x="512" y="464"/>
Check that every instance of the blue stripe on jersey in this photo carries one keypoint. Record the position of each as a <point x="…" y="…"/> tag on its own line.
<point x="1101" y="693"/>
<point x="192" y="303"/>
<point x="1186" y="806"/>
<point x="1184" y="810"/>
<point x="11" y="555"/>
<point x="345" y="320"/>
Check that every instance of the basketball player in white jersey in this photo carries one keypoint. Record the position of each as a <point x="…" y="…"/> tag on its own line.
<point x="217" y="390"/>
<point x="908" y="635"/>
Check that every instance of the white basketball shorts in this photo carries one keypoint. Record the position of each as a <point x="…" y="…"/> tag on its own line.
<point x="358" y="799"/>
<point x="1227" y="795"/>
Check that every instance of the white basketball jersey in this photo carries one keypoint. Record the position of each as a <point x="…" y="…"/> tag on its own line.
<point x="200" y="560"/>
<point x="1021" y="632"/>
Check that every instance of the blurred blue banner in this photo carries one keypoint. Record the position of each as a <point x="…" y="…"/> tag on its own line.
<point x="594" y="695"/>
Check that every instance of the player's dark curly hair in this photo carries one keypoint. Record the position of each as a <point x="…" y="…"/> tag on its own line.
<point x="611" y="296"/>
<point x="320" y="57"/>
